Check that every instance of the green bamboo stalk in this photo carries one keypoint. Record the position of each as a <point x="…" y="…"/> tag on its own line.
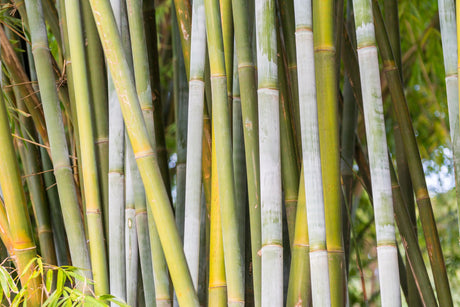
<point x="98" y="91"/>
<point x="299" y="290"/>
<point x="23" y="246"/>
<point x="217" y="292"/>
<point x="88" y="155"/>
<point x="415" y="164"/>
<point x="156" y="194"/>
<point x="289" y="170"/>
<point x="269" y="144"/>
<point x="326" y="89"/>
<point x="228" y="40"/>
<point x="247" y="77"/>
<point x="183" y="10"/>
<point x="194" y="142"/>
<point x="52" y="20"/>
<point x="449" y="43"/>
<point x="30" y="161"/>
<point x="131" y="244"/>
<point x="5" y="233"/>
<point x="315" y="203"/>
<point x="59" y="151"/>
<point x="378" y="159"/>
<point x="221" y="124"/>
<point x="152" y="47"/>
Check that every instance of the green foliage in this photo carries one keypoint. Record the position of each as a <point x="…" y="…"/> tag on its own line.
<point x="61" y="286"/>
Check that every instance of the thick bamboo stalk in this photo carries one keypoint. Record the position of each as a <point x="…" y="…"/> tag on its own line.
<point x="247" y="77"/>
<point x="98" y="91"/>
<point x="217" y="292"/>
<point x="22" y="242"/>
<point x="315" y="205"/>
<point x="449" y="43"/>
<point x="156" y="194"/>
<point x="59" y="152"/>
<point x="270" y="157"/>
<point x="415" y="165"/>
<point x="299" y="290"/>
<point x="88" y="155"/>
<point x="378" y="159"/>
<point x="194" y="142"/>
<point x="221" y="124"/>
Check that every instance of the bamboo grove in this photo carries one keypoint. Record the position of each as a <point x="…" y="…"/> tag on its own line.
<point x="216" y="152"/>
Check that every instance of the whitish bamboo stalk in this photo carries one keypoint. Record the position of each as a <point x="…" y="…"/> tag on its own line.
<point x="194" y="141"/>
<point x="117" y="260"/>
<point x="320" y="287"/>
<point x="270" y="155"/>
<point x="88" y="152"/>
<point x="449" y="45"/>
<point x="378" y="159"/>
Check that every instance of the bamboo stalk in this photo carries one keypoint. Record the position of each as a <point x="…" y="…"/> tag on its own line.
<point x="415" y="164"/>
<point x="23" y="247"/>
<point x="156" y="194"/>
<point x="378" y="159"/>
<point x="194" y="142"/>
<point x="88" y="155"/>
<point x="59" y="152"/>
<point x="449" y="42"/>
<point x="315" y="203"/>
<point x="247" y="77"/>
<point x="299" y="290"/>
<point x="269" y="144"/>
<point x="221" y="124"/>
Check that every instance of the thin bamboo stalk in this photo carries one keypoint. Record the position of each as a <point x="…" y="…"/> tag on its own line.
<point x="221" y="124"/>
<point x="378" y="159"/>
<point x="183" y="10"/>
<point x="414" y="161"/>
<point x="98" y="91"/>
<point x="217" y="292"/>
<point x="5" y="233"/>
<point x="22" y="243"/>
<point x="194" y="141"/>
<point x="156" y="194"/>
<point x="247" y="77"/>
<point x="59" y="152"/>
<point x="449" y="42"/>
<point x="88" y="155"/>
<point x="299" y="290"/>
<point x="270" y="157"/>
<point x="228" y="40"/>
<point x="315" y="204"/>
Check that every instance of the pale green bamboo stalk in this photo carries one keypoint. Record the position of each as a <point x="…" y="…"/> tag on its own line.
<point x="221" y="124"/>
<point x="194" y="141"/>
<point x="246" y="74"/>
<point x="270" y="156"/>
<point x="156" y="193"/>
<point x="449" y="45"/>
<point x="320" y="288"/>
<point x="228" y="40"/>
<point x="98" y="89"/>
<point x="23" y="246"/>
<point x="59" y="151"/>
<point x="378" y="159"/>
<point x="131" y="246"/>
<point x="116" y="181"/>
<point x="88" y="154"/>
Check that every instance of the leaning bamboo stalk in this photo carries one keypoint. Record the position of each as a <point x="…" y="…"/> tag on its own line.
<point x="270" y="157"/>
<point x="449" y="43"/>
<point x="151" y="176"/>
<point x="5" y="234"/>
<point x="221" y="124"/>
<point x="247" y="77"/>
<point x="327" y="100"/>
<point x="22" y="243"/>
<point x="58" y="144"/>
<point x="315" y="205"/>
<point x="378" y="159"/>
<point x="88" y="155"/>
<point x="194" y="141"/>
<point x="415" y="164"/>
<point x="299" y="290"/>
